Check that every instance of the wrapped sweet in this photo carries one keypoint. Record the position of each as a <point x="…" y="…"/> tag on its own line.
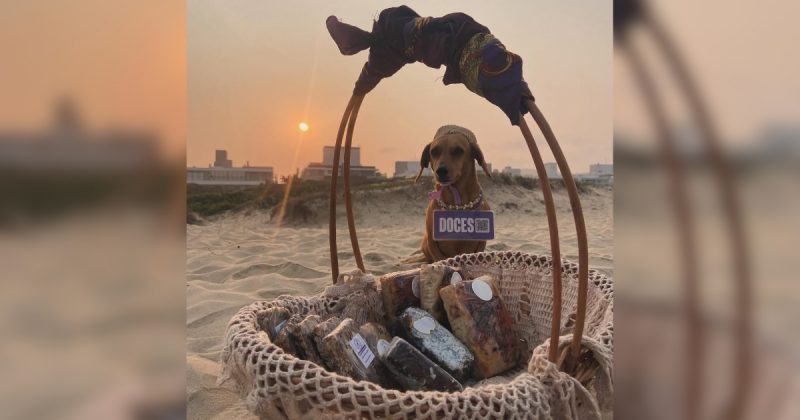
<point x="432" y="278"/>
<point x="303" y="337"/>
<point x="347" y="352"/>
<point x="284" y="339"/>
<point x="322" y="329"/>
<point x="400" y="291"/>
<point x="436" y="342"/>
<point x="378" y="338"/>
<point x="415" y="371"/>
<point x="272" y="320"/>
<point x="480" y="320"/>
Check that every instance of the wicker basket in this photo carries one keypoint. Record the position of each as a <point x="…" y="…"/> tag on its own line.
<point x="279" y="385"/>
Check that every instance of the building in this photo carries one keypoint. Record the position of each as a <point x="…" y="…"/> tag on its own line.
<point x="222" y="173"/>
<point x="601" y="170"/>
<point x="512" y="171"/>
<point x="409" y="169"/>
<point x="222" y="160"/>
<point x="320" y="171"/>
<point x="552" y="170"/>
<point x="68" y="146"/>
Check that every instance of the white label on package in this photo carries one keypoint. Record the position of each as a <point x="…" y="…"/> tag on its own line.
<point x="415" y="286"/>
<point x="383" y="345"/>
<point x="425" y="325"/>
<point x="482" y="289"/>
<point x="456" y="278"/>
<point x="361" y="349"/>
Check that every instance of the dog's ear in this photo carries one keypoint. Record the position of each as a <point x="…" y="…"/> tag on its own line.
<point x="424" y="161"/>
<point x="348" y="38"/>
<point x="477" y="154"/>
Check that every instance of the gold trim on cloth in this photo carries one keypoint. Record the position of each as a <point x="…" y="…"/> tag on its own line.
<point x="419" y="25"/>
<point x="471" y="62"/>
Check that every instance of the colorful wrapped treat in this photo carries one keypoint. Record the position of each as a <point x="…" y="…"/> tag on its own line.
<point x="433" y="277"/>
<point x="415" y="371"/>
<point x="400" y="291"/>
<point x="480" y="320"/>
<point x="348" y="353"/>
<point x="436" y="342"/>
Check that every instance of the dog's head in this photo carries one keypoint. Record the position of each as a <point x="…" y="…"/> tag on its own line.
<point x="450" y="155"/>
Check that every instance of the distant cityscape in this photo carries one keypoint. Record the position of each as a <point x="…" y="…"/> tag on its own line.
<point x="223" y="173"/>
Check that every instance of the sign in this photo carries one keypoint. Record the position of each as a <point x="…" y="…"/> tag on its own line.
<point x="457" y="225"/>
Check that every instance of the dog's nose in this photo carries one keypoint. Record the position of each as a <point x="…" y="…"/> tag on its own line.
<point x="441" y="172"/>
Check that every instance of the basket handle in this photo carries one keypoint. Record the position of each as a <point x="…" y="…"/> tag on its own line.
<point x="350" y="115"/>
<point x="580" y="229"/>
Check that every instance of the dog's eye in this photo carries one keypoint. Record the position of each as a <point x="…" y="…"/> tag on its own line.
<point x="457" y="152"/>
<point x="436" y="152"/>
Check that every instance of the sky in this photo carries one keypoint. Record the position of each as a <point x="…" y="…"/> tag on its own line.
<point x="256" y="69"/>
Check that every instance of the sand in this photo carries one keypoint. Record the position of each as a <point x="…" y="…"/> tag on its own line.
<point x="236" y="259"/>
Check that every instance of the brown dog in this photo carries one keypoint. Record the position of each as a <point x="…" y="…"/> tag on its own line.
<point x="451" y="156"/>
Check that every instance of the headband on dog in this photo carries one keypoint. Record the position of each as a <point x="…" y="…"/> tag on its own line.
<point x="469" y="135"/>
<point x="451" y="129"/>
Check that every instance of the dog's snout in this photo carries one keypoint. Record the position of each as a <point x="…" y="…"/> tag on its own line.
<point x="441" y="172"/>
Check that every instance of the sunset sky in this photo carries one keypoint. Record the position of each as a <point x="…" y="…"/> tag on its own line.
<point x="256" y="69"/>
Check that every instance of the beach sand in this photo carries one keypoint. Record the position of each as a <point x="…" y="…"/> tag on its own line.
<point x="236" y="259"/>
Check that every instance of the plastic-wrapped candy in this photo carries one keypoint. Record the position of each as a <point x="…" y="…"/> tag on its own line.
<point x="433" y="277"/>
<point x="303" y="337"/>
<point x="373" y="333"/>
<point x="273" y="320"/>
<point x="284" y="339"/>
<point x="480" y="320"/>
<point x="347" y="352"/>
<point x="415" y="371"/>
<point x="377" y="337"/>
<point x="436" y="342"/>
<point x="400" y="291"/>
<point x="322" y="329"/>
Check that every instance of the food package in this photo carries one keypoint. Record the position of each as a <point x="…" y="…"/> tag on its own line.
<point x="284" y="338"/>
<point x="303" y="337"/>
<point x="433" y="277"/>
<point x="347" y="353"/>
<point x="322" y="329"/>
<point x="480" y="320"/>
<point x="415" y="371"/>
<point x="378" y="338"/>
<point x="436" y="342"/>
<point x="400" y="291"/>
<point x="273" y="320"/>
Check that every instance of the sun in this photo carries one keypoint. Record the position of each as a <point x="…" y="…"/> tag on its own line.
<point x="303" y="126"/>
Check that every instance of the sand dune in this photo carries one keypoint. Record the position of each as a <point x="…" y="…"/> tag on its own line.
<point x="236" y="259"/>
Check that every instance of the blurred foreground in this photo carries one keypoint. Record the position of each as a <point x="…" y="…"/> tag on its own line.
<point x="706" y="207"/>
<point x="92" y="210"/>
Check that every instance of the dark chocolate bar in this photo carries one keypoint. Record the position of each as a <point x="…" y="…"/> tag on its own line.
<point x="415" y="371"/>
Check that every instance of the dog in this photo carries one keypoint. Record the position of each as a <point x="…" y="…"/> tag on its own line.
<point x="451" y="156"/>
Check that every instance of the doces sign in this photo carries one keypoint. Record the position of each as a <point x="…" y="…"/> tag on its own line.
<point x="456" y="225"/>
